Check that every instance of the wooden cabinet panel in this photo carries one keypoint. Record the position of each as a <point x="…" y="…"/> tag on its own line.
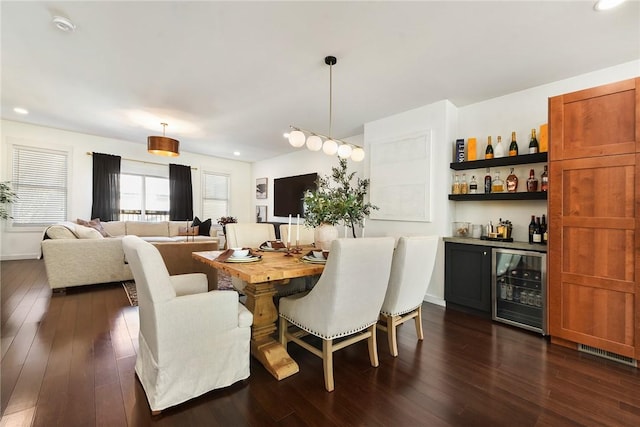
<point x="580" y="120"/>
<point x="594" y="204"/>
<point x="598" y="317"/>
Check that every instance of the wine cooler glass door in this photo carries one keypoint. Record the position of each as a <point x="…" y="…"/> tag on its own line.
<point x="519" y="288"/>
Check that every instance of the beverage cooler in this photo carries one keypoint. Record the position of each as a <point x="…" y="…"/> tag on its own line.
<point x="519" y="290"/>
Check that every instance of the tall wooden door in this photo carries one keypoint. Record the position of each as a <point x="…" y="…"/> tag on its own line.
<point x="594" y="213"/>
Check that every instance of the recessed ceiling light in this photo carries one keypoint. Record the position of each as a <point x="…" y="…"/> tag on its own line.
<point x="236" y="153"/>
<point x="63" y="24"/>
<point x="607" y="4"/>
<point x="21" y="110"/>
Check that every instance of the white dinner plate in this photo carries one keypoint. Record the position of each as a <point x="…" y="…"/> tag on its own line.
<point x="250" y="258"/>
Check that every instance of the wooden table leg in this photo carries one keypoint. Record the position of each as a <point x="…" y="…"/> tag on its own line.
<point x="264" y="346"/>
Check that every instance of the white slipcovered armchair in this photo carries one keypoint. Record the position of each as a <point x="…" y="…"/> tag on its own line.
<point x="411" y="272"/>
<point x="191" y="341"/>
<point x="346" y="301"/>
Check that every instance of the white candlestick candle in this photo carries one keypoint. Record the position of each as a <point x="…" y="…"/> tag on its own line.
<point x="289" y="231"/>
<point x="297" y="228"/>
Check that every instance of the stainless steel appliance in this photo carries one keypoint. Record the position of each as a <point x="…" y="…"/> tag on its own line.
<point x="519" y="290"/>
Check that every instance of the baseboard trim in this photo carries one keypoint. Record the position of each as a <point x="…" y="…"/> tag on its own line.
<point x="435" y="300"/>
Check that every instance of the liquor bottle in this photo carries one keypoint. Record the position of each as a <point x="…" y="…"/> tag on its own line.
<point x="544" y="180"/>
<point x="499" y="150"/>
<point x="487" y="182"/>
<point x="513" y="147"/>
<point x="512" y="182"/>
<point x="543" y="226"/>
<point x="464" y="185"/>
<point x="533" y="144"/>
<point x="456" y="185"/>
<point x="537" y="236"/>
<point x="497" y="185"/>
<point x="488" y="153"/>
<point x="532" y="228"/>
<point x="532" y="182"/>
<point x="473" y="185"/>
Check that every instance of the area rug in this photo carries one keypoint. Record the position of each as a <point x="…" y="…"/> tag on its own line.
<point x="224" y="283"/>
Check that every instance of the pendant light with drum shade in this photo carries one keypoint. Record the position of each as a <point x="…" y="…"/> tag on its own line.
<point x="316" y="141"/>
<point x="163" y="145"/>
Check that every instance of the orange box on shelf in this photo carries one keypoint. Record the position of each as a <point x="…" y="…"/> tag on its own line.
<point x="543" y="138"/>
<point x="472" y="154"/>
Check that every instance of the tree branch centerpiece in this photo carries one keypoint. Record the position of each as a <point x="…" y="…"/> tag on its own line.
<point x="337" y="199"/>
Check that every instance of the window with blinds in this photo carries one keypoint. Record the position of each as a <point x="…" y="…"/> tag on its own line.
<point x="215" y="195"/>
<point x="39" y="179"/>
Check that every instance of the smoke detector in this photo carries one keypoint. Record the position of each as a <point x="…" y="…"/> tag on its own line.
<point x="63" y="24"/>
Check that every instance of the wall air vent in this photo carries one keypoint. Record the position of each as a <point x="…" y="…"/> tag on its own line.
<point x="608" y="355"/>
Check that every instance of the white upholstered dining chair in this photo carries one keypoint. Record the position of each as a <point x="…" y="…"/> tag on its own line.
<point x="345" y="302"/>
<point x="191" y="341"/>
<point x="306" y="234"/>
<point x="411" y="272"/>
<point x="249" y="235"/>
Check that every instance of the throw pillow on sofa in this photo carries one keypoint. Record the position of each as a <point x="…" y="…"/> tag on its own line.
<point x="94" y="223"/>
<point x="205" y="226"/>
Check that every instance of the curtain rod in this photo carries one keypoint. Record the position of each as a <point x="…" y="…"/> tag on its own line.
<point x="90" y="153"/>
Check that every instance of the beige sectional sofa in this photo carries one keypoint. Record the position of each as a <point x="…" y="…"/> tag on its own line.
<point x="76" y="255"/>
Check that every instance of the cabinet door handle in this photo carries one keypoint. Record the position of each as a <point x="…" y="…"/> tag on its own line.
<point x="484" y="253"/>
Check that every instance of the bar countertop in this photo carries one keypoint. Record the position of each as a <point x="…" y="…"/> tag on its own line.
<point x="497" y="244"/>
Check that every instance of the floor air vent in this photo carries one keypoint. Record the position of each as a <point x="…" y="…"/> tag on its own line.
<point x="608" y="355"/>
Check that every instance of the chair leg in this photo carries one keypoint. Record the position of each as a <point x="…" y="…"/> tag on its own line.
<point x="373" y="347"/>
<point x="327" y="364"/>
<point x="392" y="337"/>
<point x="282" y="330"/>
<point x="418" y="320"/>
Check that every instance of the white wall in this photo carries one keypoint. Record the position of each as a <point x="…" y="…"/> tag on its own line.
<point x="440" y="118"/>
<point x="23" y="245"/>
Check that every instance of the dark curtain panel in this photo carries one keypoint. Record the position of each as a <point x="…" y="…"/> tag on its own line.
<point x="180" y="193"/>
<point x="106" y="187"/>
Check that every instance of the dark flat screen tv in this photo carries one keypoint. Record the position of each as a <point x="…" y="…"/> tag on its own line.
<point x="288" y="193"/>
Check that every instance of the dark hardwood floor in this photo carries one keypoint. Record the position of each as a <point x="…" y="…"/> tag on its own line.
<point x="68" y="360"/>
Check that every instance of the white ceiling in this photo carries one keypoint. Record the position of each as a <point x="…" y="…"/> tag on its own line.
<point x="230" y="76"/>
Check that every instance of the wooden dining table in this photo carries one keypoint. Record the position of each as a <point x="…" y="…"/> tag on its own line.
<point x="263" y="277"/>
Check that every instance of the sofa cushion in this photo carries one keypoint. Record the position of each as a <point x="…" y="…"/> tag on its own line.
<point x="159" y="238"/>
<point x="94" y="223"/>
<point x="115" y="228"/>
<point x="148" y="229"/>
<point x="87" y="232"/>
<point x="175" y="226"/>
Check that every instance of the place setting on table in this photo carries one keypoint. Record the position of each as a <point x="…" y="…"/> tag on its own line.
<point x="316" y="257"/>
<point x="239" y="255"/>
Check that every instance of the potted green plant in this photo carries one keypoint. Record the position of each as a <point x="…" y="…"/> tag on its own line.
<point x="7" y="196"/>
<point x="337" y="199"/>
